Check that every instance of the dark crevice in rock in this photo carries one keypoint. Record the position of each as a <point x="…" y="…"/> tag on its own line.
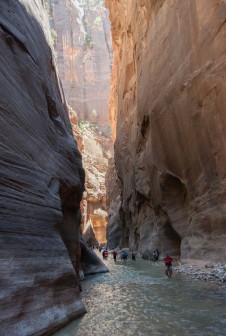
<point x="69" y="227"/>
<point x="109" y="47"/>
<point x="137" y="238"/>
<point x="51" y="105"/>
<point x="145" y="125"/>
<point x="125" y="236"/>
<point x="140" y="200"/>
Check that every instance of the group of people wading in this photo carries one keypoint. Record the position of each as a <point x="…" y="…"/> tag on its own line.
<point x="124" y="255"/>
<point x="155" y="257"/>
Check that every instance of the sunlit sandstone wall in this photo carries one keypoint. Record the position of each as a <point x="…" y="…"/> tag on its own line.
<point x="82" y="39"/>
<point x="95" y="158"/>
<point x="42" y="181"/>
<point x="168" y="102"/>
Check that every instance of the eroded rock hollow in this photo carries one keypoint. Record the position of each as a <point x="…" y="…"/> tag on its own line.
<point x="42" y="180"/>
<point x="168" y="112"/>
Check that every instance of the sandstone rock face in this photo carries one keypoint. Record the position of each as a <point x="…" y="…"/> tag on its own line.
<point x="82" y="41"/>
<point x="82" y="38"/>
<point x="115" y="234"/>
<point x="42" y="181"/>
<point x="96" y="153"/>
<point x="168" y="102"/>
<point x="75" y="128"/>
<point x="115" y="237"/>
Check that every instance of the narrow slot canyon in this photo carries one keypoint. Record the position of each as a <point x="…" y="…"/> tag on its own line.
<point x="112" y="140"/>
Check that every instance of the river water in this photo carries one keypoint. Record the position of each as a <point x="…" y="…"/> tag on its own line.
<point x="136" y="299"/>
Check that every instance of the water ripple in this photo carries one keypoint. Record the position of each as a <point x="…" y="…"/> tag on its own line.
<point x="135" y="299"/>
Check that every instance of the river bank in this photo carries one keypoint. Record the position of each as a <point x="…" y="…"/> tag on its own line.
<point x="210" y="272"/>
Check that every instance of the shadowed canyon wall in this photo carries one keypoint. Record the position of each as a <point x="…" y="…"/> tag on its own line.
<point x="81" y="36"/>
<point x="42" y="180"/>
<point x="114" y="205"/>
<point x="168" y="109"/>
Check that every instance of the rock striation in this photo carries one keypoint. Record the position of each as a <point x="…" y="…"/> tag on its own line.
<point x="42" y="181"/>
<point x="168" y="113"/>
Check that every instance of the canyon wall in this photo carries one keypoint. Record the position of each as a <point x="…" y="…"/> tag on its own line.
<point x="42" y="181"/>
<point x="82" y="39"/>
<point x="80" y="32"/>
<point x="168" y="109"/>
<point x="95" y="159"/>
<point x="114" y="205"/>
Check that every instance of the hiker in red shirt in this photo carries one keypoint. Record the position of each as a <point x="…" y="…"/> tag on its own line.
<point x="168" y="262"/>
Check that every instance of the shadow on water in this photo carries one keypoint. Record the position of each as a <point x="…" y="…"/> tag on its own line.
<point x="136" y="299"/>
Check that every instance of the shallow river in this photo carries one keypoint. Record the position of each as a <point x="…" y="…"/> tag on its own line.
<point x="135" y="298"/>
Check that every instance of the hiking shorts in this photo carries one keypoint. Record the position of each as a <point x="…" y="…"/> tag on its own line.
<point x="169" y="269"/>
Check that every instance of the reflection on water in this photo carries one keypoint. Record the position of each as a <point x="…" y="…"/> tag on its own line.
<point x="136" y="299"/>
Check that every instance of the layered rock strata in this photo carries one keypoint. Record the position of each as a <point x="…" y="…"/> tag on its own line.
<point x="168" y="104"/>
<point x="42" y="181"/>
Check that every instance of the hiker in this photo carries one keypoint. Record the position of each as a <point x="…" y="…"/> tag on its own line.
<point x="124" y="255"/>
<point x="114" y="255"/>
<point x="168" y="262"/>
<point x="155" y="255"/>
<point x="105" y="254"/>
<point x="133" y="255"/>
